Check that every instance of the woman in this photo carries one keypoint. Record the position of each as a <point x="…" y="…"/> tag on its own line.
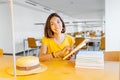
<point x="55" y="44"/>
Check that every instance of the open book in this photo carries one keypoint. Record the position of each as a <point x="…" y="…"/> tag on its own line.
<point x="76" y="48"/>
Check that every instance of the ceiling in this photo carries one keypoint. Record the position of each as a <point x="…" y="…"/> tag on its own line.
<point x="80" y="9"/>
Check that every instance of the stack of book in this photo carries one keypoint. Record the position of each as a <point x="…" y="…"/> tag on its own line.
<point x="90" y="59"/>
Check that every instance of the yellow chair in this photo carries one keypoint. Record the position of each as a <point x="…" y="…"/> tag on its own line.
<point x="78" y="40"/>
<point x="33" y="45"/>
<point x="102" y="43"/>
<point x="1" y="52"/>
<point x="75" y="33"/>
<point x="112" y="56"/>
<point x="91" y="46"/>
<point x="102" y="33"/>
<point x="92" y="34"/>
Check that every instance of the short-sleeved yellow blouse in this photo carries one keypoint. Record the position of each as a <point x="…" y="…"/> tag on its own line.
<point x="52" y="46"/>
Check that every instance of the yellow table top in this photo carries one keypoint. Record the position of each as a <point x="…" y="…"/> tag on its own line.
<point x="63" y="70"/>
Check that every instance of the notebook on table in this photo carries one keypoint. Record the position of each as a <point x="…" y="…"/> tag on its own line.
<point x="90" y="59"/>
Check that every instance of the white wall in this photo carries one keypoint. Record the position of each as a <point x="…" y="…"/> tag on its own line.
<point x="5" y="28"/>
<point x="24" y="23"/>
<point x="112" y="27"/>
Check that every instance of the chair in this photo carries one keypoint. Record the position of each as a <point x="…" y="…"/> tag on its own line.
<point x="91" y="46"/>
<point x="102" y="43"/>
<point x="75" y="33"/>
<point x="112" y="56"/>
<point x="92" y="34"/>
<point x="102" y="33"/>
<point x="78" y="40"/>
<point x="1" y="52"/>
<point x="33" y="45"/>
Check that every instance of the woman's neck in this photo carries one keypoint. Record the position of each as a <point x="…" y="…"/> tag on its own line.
<point x="58" y="38"/>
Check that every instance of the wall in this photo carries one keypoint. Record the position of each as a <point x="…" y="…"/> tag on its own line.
<point x="112" y="27"/>
<point x="5" y="28"/>
<point x="24" y="23"/>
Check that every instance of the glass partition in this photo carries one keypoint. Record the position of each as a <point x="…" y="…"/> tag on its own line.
<point x="30" y="17"/>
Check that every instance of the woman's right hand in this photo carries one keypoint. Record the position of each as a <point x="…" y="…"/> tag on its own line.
<point x="65" y="51"/>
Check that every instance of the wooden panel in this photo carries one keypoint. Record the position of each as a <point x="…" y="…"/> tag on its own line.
<point x="112" y="56"/>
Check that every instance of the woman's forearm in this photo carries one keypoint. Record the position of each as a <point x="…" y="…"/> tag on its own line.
<point x="50" y="56"/>
<point x="46" y="57"/>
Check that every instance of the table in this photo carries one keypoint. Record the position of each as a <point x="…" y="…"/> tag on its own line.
<point x="25" y="44"/>
<point x="63" y="70"/>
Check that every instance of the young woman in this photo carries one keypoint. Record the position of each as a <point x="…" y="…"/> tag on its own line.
<point x="55" y="43"/>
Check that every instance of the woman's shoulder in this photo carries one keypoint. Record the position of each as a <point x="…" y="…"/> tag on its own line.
<point x="70" y="39"/>
<point x="45" y="38"/>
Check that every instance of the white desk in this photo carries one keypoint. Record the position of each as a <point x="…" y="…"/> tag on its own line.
<point x="97" y="39"/>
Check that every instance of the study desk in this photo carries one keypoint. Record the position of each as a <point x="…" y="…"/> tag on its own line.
<point x="94" y="39"/>
<point x="63" y="70"/>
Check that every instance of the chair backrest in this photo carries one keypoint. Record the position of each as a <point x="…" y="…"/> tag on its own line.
<point x="78" y="40"/>
<point x="32" y="42"/>
<point x="92" y="34"/>
<point x="112" y="56"/>
<point x="1" y="52"/>
<point x="90" y="43"/>
<point x="102" y="43"/>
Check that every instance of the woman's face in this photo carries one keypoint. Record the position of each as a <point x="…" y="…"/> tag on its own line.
<point x="56" y="25"/>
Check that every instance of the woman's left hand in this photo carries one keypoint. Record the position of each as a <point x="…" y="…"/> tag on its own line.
<point x="69" y="57"/>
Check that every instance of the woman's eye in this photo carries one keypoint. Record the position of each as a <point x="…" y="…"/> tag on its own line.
<point x="58" y="21"/>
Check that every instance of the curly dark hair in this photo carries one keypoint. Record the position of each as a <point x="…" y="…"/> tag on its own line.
<point x="47" y="30"/>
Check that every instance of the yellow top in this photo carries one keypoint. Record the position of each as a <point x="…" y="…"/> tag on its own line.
<point x="52" y="46"/>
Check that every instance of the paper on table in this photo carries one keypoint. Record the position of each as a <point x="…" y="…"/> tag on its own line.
<point x="76" y="48"/>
